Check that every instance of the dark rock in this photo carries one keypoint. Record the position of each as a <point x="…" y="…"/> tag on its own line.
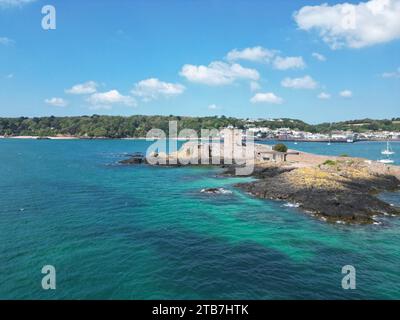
<point x="216" y="191"/>
<point x="355" y="203"/>
<point x="136" y="158"/>
<point x="258" y="172"/>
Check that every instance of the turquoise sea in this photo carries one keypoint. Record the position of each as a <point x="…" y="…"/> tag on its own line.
<point x="140" y="232"/>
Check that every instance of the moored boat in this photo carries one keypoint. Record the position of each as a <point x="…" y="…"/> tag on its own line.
<point x="388" y="150"/>
<point x="386" y="161"/>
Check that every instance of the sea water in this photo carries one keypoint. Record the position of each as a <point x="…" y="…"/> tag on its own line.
<point x="139" y="232"/>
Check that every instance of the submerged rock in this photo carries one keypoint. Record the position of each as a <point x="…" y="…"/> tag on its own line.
<point x="136" y="158"/>
<point x="216" y="191"/>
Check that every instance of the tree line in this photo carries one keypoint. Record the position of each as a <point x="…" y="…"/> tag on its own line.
<point x="139" y="125"/>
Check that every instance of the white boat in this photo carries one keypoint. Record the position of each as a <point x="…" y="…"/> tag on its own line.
<point x="388" y="150"/>
<point x="386" y="161"/>
<point x="330" y="134"/>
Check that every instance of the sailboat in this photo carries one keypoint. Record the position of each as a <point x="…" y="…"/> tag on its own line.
<point x="388" y="151"/>
<point x="330" y="134"/>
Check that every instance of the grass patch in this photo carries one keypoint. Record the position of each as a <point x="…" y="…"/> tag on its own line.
<point x="330" y="163"/>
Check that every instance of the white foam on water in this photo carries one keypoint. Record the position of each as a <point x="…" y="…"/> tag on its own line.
<point x="291" y="205"/>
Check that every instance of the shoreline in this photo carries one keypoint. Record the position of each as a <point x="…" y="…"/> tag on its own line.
<point x="184" y="139"/>
<point x="82" y="138"/>
<point x="332" y="188"/>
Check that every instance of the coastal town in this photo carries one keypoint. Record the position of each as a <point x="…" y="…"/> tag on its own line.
<point x="265" y="133"/>
<point x="137" y="127"/>
<point x="338" y="136"/>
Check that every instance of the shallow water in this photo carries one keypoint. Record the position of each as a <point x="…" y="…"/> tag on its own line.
<point x="139" y="232"/>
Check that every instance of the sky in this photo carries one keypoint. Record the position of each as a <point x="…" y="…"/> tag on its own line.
<point x="318" y="61"/>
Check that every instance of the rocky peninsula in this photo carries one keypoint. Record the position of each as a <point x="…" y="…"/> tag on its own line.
<point x="334" y="189"/>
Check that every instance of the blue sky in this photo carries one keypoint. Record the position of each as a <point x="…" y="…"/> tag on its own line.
<point x="252" y="58"/>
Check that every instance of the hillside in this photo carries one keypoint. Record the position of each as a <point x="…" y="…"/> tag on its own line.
<point x="139" y="125"/>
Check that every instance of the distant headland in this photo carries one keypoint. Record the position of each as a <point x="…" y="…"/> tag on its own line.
<point x="137" y="126"/>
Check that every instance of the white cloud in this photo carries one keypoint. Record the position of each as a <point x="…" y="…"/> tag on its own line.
<point x="319" y="56"/>
<point x="346" y="94"/>
<point x="255" y="54"/>
<point x="263" y="55"/>
<point x="212" y="107"/>
<point x="305" y="82"/>
<point x="268" y="97"/>
<point x="151" y="89"/>
<point x="14" y="3"/>
<point x="6" y="41"/>
<point x="286" y="63"/>
<point x="254" y="86"/>
<point x="352" y="25"/>
<point x="100" y="107"/>
<point x="218" y="73"/>
<point x="10" y="76"/>
<point x="324" y="96"/>
<point x="109" y="98"/>
<point x="83" y="88"/>
<point x="56" y="102"/>
<point x="394" y="74"/>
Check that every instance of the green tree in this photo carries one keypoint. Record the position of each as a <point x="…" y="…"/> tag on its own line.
<point x="280" y="147"/>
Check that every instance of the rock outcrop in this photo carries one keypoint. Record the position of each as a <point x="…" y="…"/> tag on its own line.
<point x="337" y="190"/>
<point x="333" y="188"/>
